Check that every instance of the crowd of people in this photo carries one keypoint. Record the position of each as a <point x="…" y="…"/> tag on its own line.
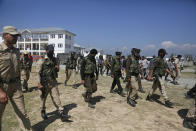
<point x="15" y="70"/>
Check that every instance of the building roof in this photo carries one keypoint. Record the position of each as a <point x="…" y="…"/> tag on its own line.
<point x="79" y="46"/>
<point x="45" y="30"/>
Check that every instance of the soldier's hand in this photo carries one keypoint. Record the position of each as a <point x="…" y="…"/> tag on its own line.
<point x="97" y="77"/>
<point x="82" y="81"/>
<point x="40" y="85"/>
<point x="112" y="76"/>
<point x="3" y="97"/>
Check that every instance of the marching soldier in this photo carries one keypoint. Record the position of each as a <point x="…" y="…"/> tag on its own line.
<point x="71" y="69"/>
<point x="158" y="70"/>
<point x="132" y="71"/>
<point x="48" y="69"/>
<point x="10" y="86"/>
<point x="25" y="70"/>
<point x="116" y="73"/>
<point x="88" y="72"/>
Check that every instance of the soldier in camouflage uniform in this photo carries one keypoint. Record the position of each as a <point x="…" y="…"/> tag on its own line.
<point x="25" y="70"/>
<point x="158" y="70"/>
<point x="116" y="73"/>
<point x="100" y="64"/>
<point x="48" y="69"/>
<point x="132" y="71"/>
<point x="71" y="69"/>
<point x="88" y="71"/>
<point x="10" y="86"/>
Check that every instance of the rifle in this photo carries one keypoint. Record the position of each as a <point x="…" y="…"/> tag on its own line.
<point x="43" y="82"/>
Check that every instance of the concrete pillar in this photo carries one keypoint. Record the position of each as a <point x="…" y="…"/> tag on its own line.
<point x="39" y="46"/>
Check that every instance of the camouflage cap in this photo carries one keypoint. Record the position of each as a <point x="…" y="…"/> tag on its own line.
<point x="10" y="30"/>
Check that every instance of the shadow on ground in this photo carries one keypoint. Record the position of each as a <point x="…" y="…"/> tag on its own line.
<point x="52" y="116"/>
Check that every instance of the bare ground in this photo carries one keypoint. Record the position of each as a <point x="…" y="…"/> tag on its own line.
<point x="112" y="113"/>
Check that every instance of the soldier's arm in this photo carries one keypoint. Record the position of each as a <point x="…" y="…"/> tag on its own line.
<point x="82" y="69"/>
<point x="39" y="71"/>
<point x="112" y="66"/>
<point x="128" y="62"/>
<point x="96" y="72"/>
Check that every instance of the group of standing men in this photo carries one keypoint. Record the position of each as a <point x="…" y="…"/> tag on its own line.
<point x="11" y="67"/>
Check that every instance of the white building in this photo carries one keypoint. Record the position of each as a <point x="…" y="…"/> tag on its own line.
<point x="35" y="40"/>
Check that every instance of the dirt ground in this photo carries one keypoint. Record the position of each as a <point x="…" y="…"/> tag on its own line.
<point x="111" y="113"/>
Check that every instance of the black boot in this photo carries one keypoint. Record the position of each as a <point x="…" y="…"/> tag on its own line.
<point x="43" y="114"/>
<point x="85" y="97"/>
<point x="141" y="90"/>
<point x="64" y="117"/>
<point x="169" y="104"/>
<point x="121" y="93"/>
<point x="149" y="98"/>
<point x="131" y="102"/>
<point x="90" y="103"/>
<point x="112" y="91"/>
<point x="65" y="83"/>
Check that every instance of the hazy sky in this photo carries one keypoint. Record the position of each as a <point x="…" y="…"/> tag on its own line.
<point x="111" y="25"/>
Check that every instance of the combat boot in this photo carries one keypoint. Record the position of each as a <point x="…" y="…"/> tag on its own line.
<point x="149" y="98"/>
<point x="65" y="83"/>
<point x="85" y="97"/>
<point x="112" y="91"/>
<point x="64" y="117"/>
<point x="90" y="105"/>
<point x="169" y="104"/>
<point x="131" y="102"/>
<point x="121" y="93"/>
<point x="43" y="114"/>
<point x="141" y="90"/>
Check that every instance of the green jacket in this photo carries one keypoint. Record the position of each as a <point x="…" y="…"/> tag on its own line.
<point x="132" y="67"/>
<point x="48" y="69"/>
<point x="159" y="67"/>
<point x="115" y="66"/>
<point x="71" y="63"/>
<point x="88" y="67"/>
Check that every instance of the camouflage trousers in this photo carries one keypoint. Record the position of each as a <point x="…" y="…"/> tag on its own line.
<point x="90" y="85"/>
<point x="52" y="88"/>
<point x="25" y="74"/>
<point x="131" y="85"/>
<point x="71" y="75"/>
<point x="161" y="84"/>
<point x="16" y="98"/>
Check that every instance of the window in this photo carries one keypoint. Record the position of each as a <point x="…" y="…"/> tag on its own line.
<point x="69" y="37"/>
<point x="67" y="46"/>
<point x="52" y="36"/>
<point x="66" y="36"/>
<point x="60" y="36"/>
<point x="60" y="45"/>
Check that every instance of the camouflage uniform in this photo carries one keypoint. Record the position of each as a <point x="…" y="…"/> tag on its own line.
<point x="116" y="73"/>
<point x="10" y="84"/>
<point x="25" y="70"/>
<point x="71" y="70"/>
<point x="132" y="71"/>
<point x="47" y="77"/>
<point x="159" y="69"/>
<point x="88" y="71"/>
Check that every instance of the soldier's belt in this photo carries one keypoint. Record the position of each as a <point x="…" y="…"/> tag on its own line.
<point x="91" y="75"/>
<point x="11" y="80"/>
